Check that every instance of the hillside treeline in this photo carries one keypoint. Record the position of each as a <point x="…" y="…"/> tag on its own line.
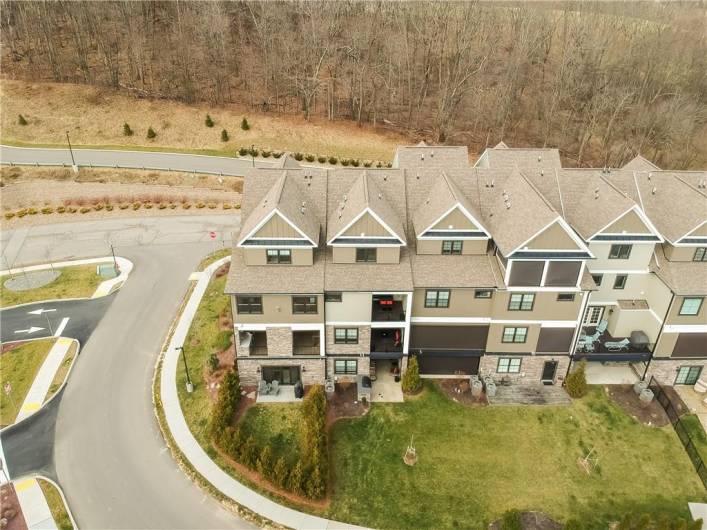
<point x="599" y="85"/>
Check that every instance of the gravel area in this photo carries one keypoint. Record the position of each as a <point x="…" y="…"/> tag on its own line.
<point x="31" y="280"/>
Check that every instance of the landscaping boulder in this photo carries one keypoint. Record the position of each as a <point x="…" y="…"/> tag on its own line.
<point x="640" y="386"/>
<point x="646" y="396"/>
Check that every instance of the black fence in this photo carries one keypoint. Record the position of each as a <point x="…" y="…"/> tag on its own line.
<point x="674" y="417"/>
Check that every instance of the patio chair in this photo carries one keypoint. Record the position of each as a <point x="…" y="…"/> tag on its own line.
<point x="617" y="345"/>
<point x="587" y="343"/>
<point x="601" y="328"/>
<point x="263" y="388"/>
<point x="275" y="388"/>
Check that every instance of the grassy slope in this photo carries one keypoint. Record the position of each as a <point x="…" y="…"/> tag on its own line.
<point x="697" y="433"/>
<point x="56" y="505"/>
<point x="476" y="463"/>
<point x="95" y="117"/>
<point x="277" y="424"/>
<point x="19" y="366"/>
<point x="74" y="282"/>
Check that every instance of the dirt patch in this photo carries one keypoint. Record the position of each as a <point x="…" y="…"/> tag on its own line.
<point x="11" y="511"/>
<point x="531" y="521"/>
<point x="651" y="414"/>
<point x="459" y="390"/>
<point x="7" y="346"/>
<point x="343" y="404"/>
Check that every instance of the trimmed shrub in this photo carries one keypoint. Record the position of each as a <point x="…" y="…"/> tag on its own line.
<point x="227" y="206"/>
<point x="200" y="205"/>
<point x="389" y="164"/>
<point x="296" y="478"/>
<point x="379" y="164"/>
<point x="85" y="209"/>
<point x="224" y="135"/>
<point x="321" y="159"/>
<point x="367" y="163"/>
<point x="98" y="207"/>
<point x="127" y="131"/>
<point x="309" y="158"/>
<point x="253" y="152"/>
<point x="244" y="124"/>
<point x="315" y="487"/>
<point x="264" y="464"/>
<point x="237" y="206"/>
<point x="411" y="379"/>
<point x="32" y="211"/>
<point x="345" y="162"/>
<point x="208" y="121"/>
<point x="226" y="404"/>
<point x="298" y="156"/>
<point x="233" y="442"/>
<point x="21" y="213"/>
<point x="265" y="153"/>
<point x="280" y="473"/>
<point x="9" y="215"/>
<point x="137" y="205"/>
<point x="47" y="210"/>
<point x="213" y="363"/>
<point x="277" y="154"/>
<point x="211" y="205"/>
<point x="186" y="205"/>
<point x="576" y="382"/>
<point x="21" y="120"/>
<point x="60" y="209"/>
<point x="172" y="206"/>
<point x="333" y="160"/>
<point x="109" y="207"/>
<point x="355" y="162"/>
<point x="148" y="205"/>
<point x="71" y="209"/>
<point x="162" y="206"/>
<point x="123" y="206"/>
<point x="151" y="133"/>
<point x="249" y="453"/>
<point x="243" y="151"/>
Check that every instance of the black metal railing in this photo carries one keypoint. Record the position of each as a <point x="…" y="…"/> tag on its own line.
<point x="664" y="399"/>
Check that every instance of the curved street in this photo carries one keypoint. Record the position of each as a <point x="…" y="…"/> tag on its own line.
<point x="109" y="455"/>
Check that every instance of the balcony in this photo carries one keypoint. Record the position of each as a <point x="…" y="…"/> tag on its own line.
<point x="387" y="340"/>
<point x="255" y="343"/>
<point x="388" y="308"/>
<point x="305" y="343"/>
<point x="597" y="341"/>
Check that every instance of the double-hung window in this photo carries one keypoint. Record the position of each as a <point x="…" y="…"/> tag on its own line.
<point x="700" y="254"/>
<point x="279" y="255"/>
<point x="344" y="367"/>
<point x="437" y="298"/>
<point x="521" y="302"/>
<point x="508" y="365"/>
<point x="620" y="281"/>
<point x="691" y="306"/>
<point x="518" y="335"/>
<point x="565" y="297"/>
<point x="452" y="247"/>
<point x="620" y="251"/>
<point x="346" y="335"/>
<point x="304" y="305"/>
<point x="249" y="305"/>
<point x="366" y="255"/>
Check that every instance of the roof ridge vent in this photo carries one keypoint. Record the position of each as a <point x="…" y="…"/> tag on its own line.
<point x="422" y="156"/>
<point x="540" y="158"/>
<point x="596" y="193"/>
<point x="654" y="190"/>
<point x="542" y="173"/>
<point x="432" y="154"/>
<point x="380" y="196"/>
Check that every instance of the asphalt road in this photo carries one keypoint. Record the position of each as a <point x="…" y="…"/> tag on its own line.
<point x="127" y="159"/>
<point x="109" y="456"/>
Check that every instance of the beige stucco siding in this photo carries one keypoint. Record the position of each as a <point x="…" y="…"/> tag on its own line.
<point x="469" y="246"/>
<point x="354" y="307"/>
<point x="666" y="343"/>
<point x="646" y="287"/>
<point x="553" y="237"/>
<point x="258" y="256"/>
<point x="545" y="307"/>
<point x="277" y="227"/>
<point x="367" y="226"/>
<point x="638" y="260"/>
<point x="630" y="223"/>
<point x="388" y="255"/>
<point x="494" y="343"/>
<point x="623" y="321"/>
<point x="679" y="253"/>
<point x="455" y="220"/>
<point x="461" y="304"/>
<point x="277" y="309"/>
<point x="344" y="254"/>
<point x="383" y="254"/>
<point x="675" y="318"/>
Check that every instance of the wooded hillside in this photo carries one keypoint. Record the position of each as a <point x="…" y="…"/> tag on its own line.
<point x="601" y="84"/>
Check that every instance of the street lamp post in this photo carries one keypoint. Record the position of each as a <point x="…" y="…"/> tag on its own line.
<point x="73" y="162"/>
<point x="115" y="263"/>
<point x="190" y="386"/>
<point x="252" y="153"/>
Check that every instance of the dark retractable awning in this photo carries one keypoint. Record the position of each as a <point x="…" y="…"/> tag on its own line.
<point x="386" y="355"/>
<point x="447" y="353"/>
<point x="613" y="357"/>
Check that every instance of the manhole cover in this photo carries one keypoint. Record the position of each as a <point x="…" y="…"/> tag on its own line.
<point x="25" y="281"/>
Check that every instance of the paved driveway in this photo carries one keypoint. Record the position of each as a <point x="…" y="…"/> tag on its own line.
<point x="108" y="454"/>
<point x="128" y="159"/>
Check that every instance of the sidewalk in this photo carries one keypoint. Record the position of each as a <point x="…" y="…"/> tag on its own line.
<point x="191" y="449"/>
<point x="34" y="505"/>
<point x="40" y="386"/>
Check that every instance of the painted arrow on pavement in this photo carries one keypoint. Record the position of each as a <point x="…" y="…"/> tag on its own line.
<point x="40" y="311"/>
<point x="29" y="330"/>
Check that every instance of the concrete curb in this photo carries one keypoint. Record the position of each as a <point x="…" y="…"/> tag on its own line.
<point x="63" y="498"/>
<point x="195" y="454"/>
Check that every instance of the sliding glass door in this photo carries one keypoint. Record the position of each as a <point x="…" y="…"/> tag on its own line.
<point x="285" y="375"/>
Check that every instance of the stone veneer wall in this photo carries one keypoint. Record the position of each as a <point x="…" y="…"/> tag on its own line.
<point x="531" y="368"/>
<point x="363" y="368"/>
<point x="312" y="375"/>
<point x="666" y="371"/>
<point x="363" y="346"/>
<point x="279" y="341"/>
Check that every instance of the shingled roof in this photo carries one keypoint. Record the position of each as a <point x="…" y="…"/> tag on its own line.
<point x="638" y="163"/>
<point x="504" y="157"/>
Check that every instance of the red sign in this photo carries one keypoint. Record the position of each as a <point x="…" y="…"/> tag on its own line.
<point x="212" y="235"/>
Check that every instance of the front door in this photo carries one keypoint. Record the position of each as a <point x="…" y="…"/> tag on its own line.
<point x="549" y="369"/>
<point x="285" y="375"/>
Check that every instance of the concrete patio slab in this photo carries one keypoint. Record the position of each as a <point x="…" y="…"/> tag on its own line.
<point x="610" y="374"/>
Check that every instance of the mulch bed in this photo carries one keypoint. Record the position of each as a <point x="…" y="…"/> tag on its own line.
<point x="459" y="390"/>
<point x="11" y="511"/>
<point x="343" y="404"/>
<point x="651" y="414"/>
<point x="531" y="521"/>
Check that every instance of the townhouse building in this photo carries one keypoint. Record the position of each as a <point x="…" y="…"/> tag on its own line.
<point x="513" y="267"/>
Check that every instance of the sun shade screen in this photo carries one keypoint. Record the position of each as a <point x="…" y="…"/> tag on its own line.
<point x="557" y="340"/>
<point x="448" y="337"/>
<point x="563" y="273"/>
<point x="690" y="345"/>
<point x="526" y="273"/>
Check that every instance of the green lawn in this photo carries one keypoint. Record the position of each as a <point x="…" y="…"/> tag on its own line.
<point x="56" y="505"/>
<point x="19" y="366"/>
<point x="74" y="282"/>
<point x="277" y="424"/>
<point x="474" y="464"/>
<point x="697" y="433"/>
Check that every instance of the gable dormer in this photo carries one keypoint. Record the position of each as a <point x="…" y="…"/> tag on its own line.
<point x="364" y="227"/>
